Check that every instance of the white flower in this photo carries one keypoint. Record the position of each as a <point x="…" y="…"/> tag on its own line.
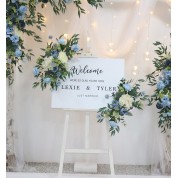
<point x="63" y="57"/>
<point x="126" y="100"/>
<point x="47" y="62"/>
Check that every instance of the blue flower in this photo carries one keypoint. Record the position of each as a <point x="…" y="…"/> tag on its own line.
<point x="75" y="47"/>
<point x="167" y="63"/>
<point x="115" y="104"/>
<point x="169" y="114"/>
<point x="13" y="1"/>
<point x="168" y="104"/>
<point x="113" y="124"/>
<point x="164" y="114"/>
<point x="127" y="87"/>
<point x="62" y="41"/>
<point x="18" y="53"/>
<point x="22" y="9"/>
<point x="160" y="85"/>
<point x="47" y="80"/>
<point x="36" y="71"/>
<point x="21" y="17"/>
<point x="14" y="38"/>
<point x="165" y="99"/>
<point x="166" y="82"/>
<point x="55" y="53"/>
<point x="9" y="29"/>
<point x="167" y="74"/>
<point x="58" y="74"/>
<point x="159" y="105"/>
<point x="123" y="111"/>
<point x="68" y="1"/>
<point x="22" y="23"/>
<point x="55" y="69"/>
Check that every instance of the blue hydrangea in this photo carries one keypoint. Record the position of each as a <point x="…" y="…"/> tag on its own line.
<point x="47" y="80"/>
<point x="167" y="74"/>
<point x="62" y="41"/>
<point x="14" y="38"/>
<point x="18" y="53"/>
<point x="166" y="82"/>
<point x="21" y="17"/>
<point x="115" y="103"/>
<point x="36" y="71"/>
<point x="113" y="124"/>
<point x="160" y="85"/>
<point x="169" y="114"/>
<point x="9" y="29"/>
<point x="164" y="114"/>
<point x="159" y="105"/>
<point x="22" y="9"/>
<point x="75" y="47"/>
<point x="55" y="69"/>
<point x="58" y="74"/>
<point x="165" y="98"/>
<point x="123" y="111"/>
<point x="166" y="104"/>
<point x="127" y="87"/>
<point x="55" y="53"/>
<point x="165" y="101"/>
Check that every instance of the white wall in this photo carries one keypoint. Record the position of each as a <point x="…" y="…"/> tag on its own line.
<point x="41" y="127"/>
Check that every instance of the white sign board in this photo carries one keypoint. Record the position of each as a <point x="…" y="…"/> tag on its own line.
<point x="92" y="80"/>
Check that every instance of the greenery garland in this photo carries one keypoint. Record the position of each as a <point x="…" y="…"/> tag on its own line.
<point x="161" y="78"/>
<point x="17" y="19"/>
<point x="51" y="68"/>
<point x="127" y="97"/>
<point x="61" y="5"/>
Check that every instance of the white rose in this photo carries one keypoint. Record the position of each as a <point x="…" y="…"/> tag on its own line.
<point x="47" y="63"/>
<point x="126" y="100"/>
<point x="63" y="57"/>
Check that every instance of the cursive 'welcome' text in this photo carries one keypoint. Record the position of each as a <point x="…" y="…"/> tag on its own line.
<point x="85" y="70"/>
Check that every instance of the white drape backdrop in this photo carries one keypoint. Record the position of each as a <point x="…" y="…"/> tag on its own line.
<point x="124" y="29"/>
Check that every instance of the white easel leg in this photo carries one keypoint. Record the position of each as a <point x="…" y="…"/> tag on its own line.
<point x="63" y="144"/>
<point x="111" y="161"/>
<point x="87" y="127"/>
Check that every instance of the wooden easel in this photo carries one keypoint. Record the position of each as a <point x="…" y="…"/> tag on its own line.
<point x="86" y="150"/>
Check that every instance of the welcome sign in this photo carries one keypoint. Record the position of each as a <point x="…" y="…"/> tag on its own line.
<point x="92" y="81"/>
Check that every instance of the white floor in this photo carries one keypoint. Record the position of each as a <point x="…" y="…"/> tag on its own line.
<point x="46" y="175"/>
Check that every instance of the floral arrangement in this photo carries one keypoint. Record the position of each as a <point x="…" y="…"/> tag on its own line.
<point x="161" y="78"/>
<point x="127" y="97"/>
<point x="17" y="18"/>
<point x="62" y="5"/>
<point x="51" y="68"/>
